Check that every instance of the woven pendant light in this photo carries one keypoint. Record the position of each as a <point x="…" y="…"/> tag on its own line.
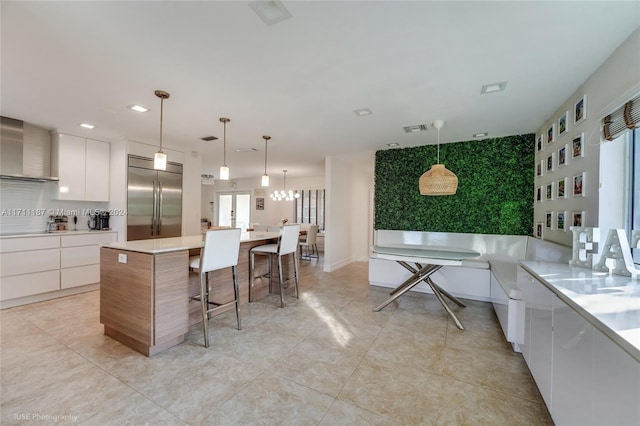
<point x="438" y="180"/>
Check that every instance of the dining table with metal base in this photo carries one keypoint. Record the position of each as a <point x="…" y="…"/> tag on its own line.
<point x="427" y="261"/>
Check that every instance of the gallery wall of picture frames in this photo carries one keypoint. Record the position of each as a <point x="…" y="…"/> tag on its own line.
<point x="560" y="144"/>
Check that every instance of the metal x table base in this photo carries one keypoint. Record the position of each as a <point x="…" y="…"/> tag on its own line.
<point x="419" y="274"/>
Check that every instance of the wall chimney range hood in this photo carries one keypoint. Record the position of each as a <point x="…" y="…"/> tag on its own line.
<point x="24" y="158"/>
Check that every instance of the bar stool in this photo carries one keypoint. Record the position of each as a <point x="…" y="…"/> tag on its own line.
<point x="221" y="250"/>
<point x="287" y="244"/>
<point x="309" y="244"/>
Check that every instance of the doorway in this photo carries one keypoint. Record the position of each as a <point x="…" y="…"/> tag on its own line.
<point x="234" y="209"/>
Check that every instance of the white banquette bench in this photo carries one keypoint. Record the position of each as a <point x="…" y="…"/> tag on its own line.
<point x="491" y="277"/>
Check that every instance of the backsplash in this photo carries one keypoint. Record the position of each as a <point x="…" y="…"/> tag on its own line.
<point x="26" y="206"/>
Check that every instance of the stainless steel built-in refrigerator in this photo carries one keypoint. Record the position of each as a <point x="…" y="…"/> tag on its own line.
<point x="154" y="200"/>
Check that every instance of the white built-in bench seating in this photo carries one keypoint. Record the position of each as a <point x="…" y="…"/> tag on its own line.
<point x="491" y="277"/>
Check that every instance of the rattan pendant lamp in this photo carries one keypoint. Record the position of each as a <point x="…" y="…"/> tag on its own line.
<point x="438" y="180"/>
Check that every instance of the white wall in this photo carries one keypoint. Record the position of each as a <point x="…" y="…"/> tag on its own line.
<point x="612" y="84"/>
<point x="348" y="219"/>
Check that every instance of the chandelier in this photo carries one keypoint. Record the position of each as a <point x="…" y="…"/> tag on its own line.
<point x="284" y="194"/>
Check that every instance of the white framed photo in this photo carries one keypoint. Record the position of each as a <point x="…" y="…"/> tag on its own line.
<point x="577" y="218"/>
<point x="548" y="192"/>
<point x="539" y="168"/>
<point x="551" y="133"/>
<point x="548" y="220"/>
<point x="563" y="124"/>
<point x="538" y="230"/>
<point x="580" y="110"/>
<point x="561" y="221"/>
<point x="539" y="190"/>
<point x="562" y="155"/>
<point x="578" y="185"/>
<point x="540" y="142"/>
<point x="550" y="166"/>
<point x="577" y="146"/>
<point x="561" y="188"/>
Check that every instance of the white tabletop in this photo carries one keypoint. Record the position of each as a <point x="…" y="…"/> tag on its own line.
<point x="434" y="255"/>
<point x="611" y="303"/>
<point x="164" y="245"/>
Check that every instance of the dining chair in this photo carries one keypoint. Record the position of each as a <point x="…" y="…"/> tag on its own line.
<point x="287" y="244"/>
<point x="308" y="247"/>
<point x="221" y="250"/>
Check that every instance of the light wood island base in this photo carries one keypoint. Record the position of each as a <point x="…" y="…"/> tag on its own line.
<point x="145" y="296"/>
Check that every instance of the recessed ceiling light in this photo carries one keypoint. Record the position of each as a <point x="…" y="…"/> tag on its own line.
<point x="138" y="108"/>
<point x="209" y="138"/>
<point x="246" y="150"/>
<point x="270" y="11"/>
<point x="493" y="87"/>
<point x="415" y="128"/>
<point x="393" y="144"/>
<point x="480" y="135"/>
<point x="87" y="126"/>
<point x="362" y="112"/>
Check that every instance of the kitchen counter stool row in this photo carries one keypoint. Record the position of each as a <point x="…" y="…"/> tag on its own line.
<point x="149" y="298"/>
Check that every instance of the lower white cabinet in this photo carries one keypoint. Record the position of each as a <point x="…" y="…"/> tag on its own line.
<point x="616" y="397"/>
<point x="82" y="275"/>
<point x="585" y="378"/>
<point x="29" y="266"/>
<point x="80" y="258"/>
<point x="29" y="284"/>
<point x="541" y="342"/>
<point x="37" y="265"/>
<point x="573" y="367"/>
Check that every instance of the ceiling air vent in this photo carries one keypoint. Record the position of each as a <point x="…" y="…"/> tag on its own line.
<point x="207" y="179"/>
<point x="415" y="128"/>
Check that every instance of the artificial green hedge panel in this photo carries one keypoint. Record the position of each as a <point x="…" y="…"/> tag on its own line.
<point x="495" y="187"/>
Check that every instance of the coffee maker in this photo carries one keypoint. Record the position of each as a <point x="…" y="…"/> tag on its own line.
<point x="99" y="221"/>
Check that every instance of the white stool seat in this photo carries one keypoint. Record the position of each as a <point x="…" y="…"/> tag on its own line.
<point x="266" y="248"/>
<point x="288" y="244"/>
<point x="221" y="250"/>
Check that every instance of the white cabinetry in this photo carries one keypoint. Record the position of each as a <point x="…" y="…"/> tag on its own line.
<point x="82" y="166"/>
<point x="29" y="266"/>
<point x="573" y="378"/>
<point x="80" y="258"/>
<point x="585" y="377"/>
<point x="37" y="268"/>
<point x="538" y="326"/>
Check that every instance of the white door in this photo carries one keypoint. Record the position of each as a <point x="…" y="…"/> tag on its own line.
<point x="234" y="209"/>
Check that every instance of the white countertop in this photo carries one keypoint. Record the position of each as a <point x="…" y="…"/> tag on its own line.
<point x="52" y="234"/>
<point x="611" y="303"/>
<point x="164" y="245"/>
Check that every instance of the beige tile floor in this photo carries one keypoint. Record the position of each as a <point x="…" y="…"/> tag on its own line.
<point x="326" y="359"/>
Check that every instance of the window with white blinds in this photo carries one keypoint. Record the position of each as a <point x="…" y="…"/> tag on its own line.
<point x="625" y="118"/>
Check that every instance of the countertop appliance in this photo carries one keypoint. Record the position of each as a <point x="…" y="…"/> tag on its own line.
<point x="99" y="221"/>
<point x="154" y="200"/>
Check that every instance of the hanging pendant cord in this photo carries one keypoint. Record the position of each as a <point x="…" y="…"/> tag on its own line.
<point x="265" y="156"/>
<point x="161" y="110"/>
<point x="438" y="146"/>
<point x="224" y="143"/>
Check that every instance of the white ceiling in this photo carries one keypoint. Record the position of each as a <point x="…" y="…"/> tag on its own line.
<point x="64" y="63"/>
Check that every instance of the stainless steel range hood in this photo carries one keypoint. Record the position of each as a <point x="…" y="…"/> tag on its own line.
<point x="24" y="157"/>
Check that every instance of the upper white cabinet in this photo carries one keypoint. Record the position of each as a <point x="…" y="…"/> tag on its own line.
<point x="82" y="166"/>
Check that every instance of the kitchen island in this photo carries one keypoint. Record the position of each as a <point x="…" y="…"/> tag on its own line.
<point x="146" y="288"/>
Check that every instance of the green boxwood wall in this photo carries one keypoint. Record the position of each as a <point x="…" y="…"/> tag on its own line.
<point x="495" y="187"/>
